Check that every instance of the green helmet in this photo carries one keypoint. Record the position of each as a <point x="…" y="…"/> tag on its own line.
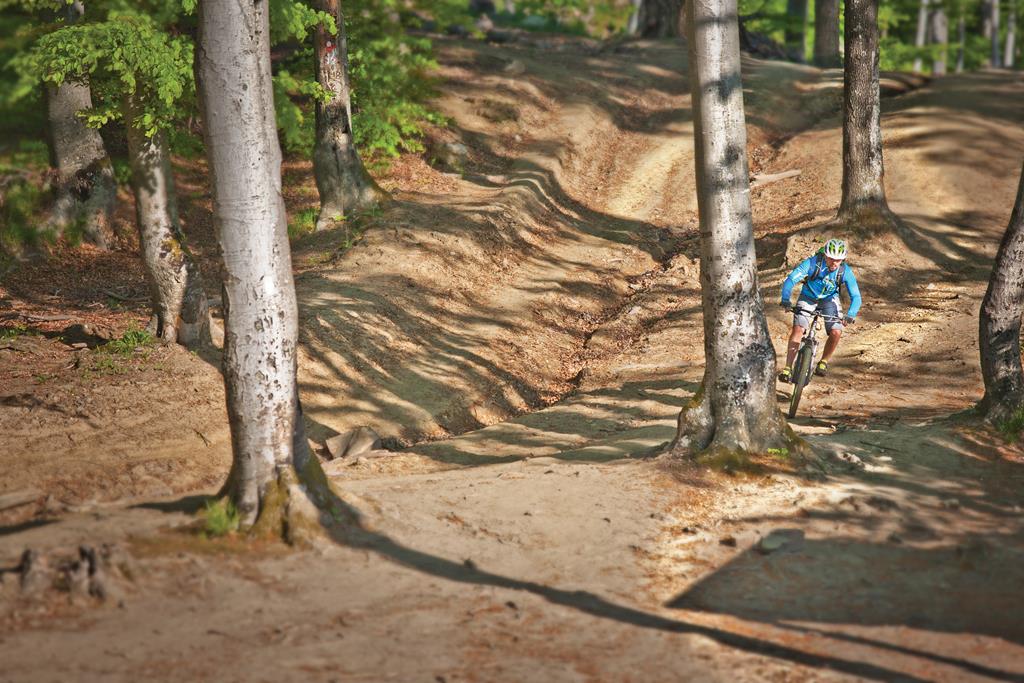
<point x="835" y="249"/>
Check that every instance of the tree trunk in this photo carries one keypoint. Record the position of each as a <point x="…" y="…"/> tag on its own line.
<point x="994" y="22"/>
<point x="986" y="19"/>
<point x="734" y="412"/>
<point x="940" y="37"/>
<point x="863" y="200"/>
<point x="86" y="189"/>
<point x="826" y="33"/>
<point x="1000" y="320"/>
<point x="660" y="18"/>
<point x="921" y="37"/>
<point x="633" y="25"/>
<point x="344" y="185"/>
<point x="179" y="302"/>
<point x="1009" y="55"/>
<point x="961" y="42"/>
<point x="274" y="482"/>
<point x="796" y="23"/>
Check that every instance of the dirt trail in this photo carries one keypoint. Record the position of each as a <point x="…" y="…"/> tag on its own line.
<point x="548" y="546"/>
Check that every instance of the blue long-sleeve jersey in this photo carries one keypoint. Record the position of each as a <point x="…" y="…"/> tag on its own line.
<point x="824" y="285"/>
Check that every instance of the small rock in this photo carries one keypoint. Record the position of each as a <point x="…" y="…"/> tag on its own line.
<point x="770" y="544"/>
<point x="850" y="458"/>
<point x="449" y="155"/>
<point x="515" y="68"/>
<point x="484" y="23"/>
<point x="895" y="538"/>
<point x="352" y="443"/>
<point x="88" y="334"/>
<point x="778" y="539"/>
<point x="36" y="575"/>
<point x="950" y="504"/>
<point x="882" y="504"/>
<point x="973" y="551"/>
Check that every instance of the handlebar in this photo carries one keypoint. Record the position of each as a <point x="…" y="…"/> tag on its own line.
<point x="819" y="314"/>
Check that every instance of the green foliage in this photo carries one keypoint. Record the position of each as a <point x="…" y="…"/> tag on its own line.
<point x="127" y="55"/>
<point x="293" y="98"/>
<point x="220" y="518"/>
<point x="184" y="142"/>
<point x="133" y="338"/>
<point x="22" y="198"/>
<point x="389" y="70"/>
<point x="122" y="171"/>
<point x="388" y="67"/>
<point x="304" y="223"/>
<point x="13" y="332"/>
<point x="294" y="19"/>
<point x="1013" y="426"/>
<point x="581" y="17"/>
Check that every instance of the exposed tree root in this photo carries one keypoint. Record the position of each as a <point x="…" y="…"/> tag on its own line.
<point x="299" y="505"/>
<point x="731" y="437"/>
<point x="99" y="573"/>
<point x="867" y="220"/>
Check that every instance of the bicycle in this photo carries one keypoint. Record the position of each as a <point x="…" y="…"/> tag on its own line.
<point x="803" y="366"/>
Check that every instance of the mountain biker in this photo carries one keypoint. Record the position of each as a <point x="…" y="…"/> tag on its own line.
<point x="823" y="274"/>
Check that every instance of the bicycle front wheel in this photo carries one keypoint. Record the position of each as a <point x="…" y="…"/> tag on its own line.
<point x="800" y="378"/>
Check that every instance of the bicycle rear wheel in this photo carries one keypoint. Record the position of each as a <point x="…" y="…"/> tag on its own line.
<point x="801" y="376"/>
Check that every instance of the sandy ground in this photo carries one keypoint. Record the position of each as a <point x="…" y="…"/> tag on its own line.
<point x="528" y="330"/>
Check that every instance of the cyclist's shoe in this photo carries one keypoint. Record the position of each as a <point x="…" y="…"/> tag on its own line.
<point x="786" y="375"/>
<point x="821" y="369"/>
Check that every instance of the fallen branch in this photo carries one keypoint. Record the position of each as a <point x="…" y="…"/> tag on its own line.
<point x="121" y="297"/>
<point x="36" y="318"/>
<point x="878" y="446"/>
<point x="762" y="180"/>
<point x="16" y="498"/>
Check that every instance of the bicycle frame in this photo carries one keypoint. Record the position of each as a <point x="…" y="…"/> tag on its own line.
<point x="803" y="367"/>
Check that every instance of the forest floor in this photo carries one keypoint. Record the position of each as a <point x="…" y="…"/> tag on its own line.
<point x="524" y="333"/>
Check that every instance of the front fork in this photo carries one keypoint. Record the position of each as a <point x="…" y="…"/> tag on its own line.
<point x="812" y="350"/>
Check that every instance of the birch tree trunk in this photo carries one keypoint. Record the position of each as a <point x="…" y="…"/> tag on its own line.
<point x="826" y="33"/>
<point x="961" y="41"/>
<point x="1000" y="321"/>
<point x="994" y="23"/>
<point x="921" y="37"/>
<point x="633" y="25"/>
<point x="735" y="412"/>
<point x="796" y="23"/>
<point x="86" y="189"/>
<point x="863" y="200"/>
<point x="345" y="186"/>
<point x="270" y="457"/>
<point x="180" y="311"/>
<point x="940" y="37"/>
<point x="1009" y="55"/>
